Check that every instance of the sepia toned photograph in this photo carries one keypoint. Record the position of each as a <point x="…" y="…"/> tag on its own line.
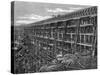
<point x="51" y="37"/>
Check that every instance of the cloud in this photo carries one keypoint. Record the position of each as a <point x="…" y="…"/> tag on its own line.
<point x="77" y="8"/>
<point x="30" y="19"/>
<point x="33" y="16"/>
<point x="23" y="21"/>
<point x="58" y="10"/>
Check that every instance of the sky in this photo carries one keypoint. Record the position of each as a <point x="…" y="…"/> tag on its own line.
<point x="30" y="12"/>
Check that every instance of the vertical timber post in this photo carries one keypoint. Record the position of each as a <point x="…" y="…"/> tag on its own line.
<point x="77" y="33"/>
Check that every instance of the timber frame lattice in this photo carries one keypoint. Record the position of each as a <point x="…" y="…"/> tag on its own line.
<point x="69" y="33"/>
